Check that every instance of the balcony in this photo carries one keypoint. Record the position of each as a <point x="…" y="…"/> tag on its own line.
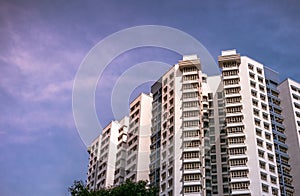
<point x="241" y="192"/>
<point x="229" y="58"/>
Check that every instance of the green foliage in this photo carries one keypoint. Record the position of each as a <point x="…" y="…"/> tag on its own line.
<point x="128" y="188"/>
<point x="78" y="189"/>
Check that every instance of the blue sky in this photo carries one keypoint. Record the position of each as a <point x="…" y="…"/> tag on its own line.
<point x="44" y="42"/>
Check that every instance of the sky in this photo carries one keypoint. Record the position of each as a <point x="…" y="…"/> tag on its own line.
<point x="44" y="42"/>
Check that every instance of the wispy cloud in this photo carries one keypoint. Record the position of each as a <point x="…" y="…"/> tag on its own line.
<point x="37" y="74"/>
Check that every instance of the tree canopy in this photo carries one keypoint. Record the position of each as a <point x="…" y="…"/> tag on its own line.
<point x="127" y="188"/>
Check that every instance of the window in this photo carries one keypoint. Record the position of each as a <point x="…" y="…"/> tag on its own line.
<point x="165" y="81"/>
<point x="250" y="66"/>
<point x="232" y="90"/>
<point x="262" y="97"/>
<point x="259" y="142"/>
<point x="194" y="133"/>
<point x="237" y="129"/>
<point x="233" y="100"/>
<point x="258" y="132"/>
<point x="262" y="164"/>
<point x="296" y="105"/>
<point x="267" y="136"/>
<point x="265" y="116"/>
<point x="261" y="153"/>
<point x="224" y="168"/>
<point x="283" y="149"/>
<point x="239" y="185"/>
<point x="225" y="189"/>
<point x="281" y="139"/>
<point x="229" y="64"/>
<point x="230" y="73"/>
<point x="256" y="112"/>
<point x="190" y="155"/>
<point x="266" y="126"/>
<point x="255" y="102"/>
<point x="262" y="88"/>
<point x="191" y="144"/>
<point x="190" y="86"/>
<point x="279" y="120"/>
<point x="295" y="96"/>
<point x="213" y="149"/>
<point x="263" y="176"/>
<point x="263" y="106"/>
<point x="236" y="140"/>
<point x="252" y="84"/>
<point x="234" y="109"/>
<point x="191" y="189"/>
<point x="190" y="95"/>
<point x="234" y="119"/>
<point x="275" y="191"/>
<point x="294" y="88"/>
<point x="239" y="174"/>
<point x="191" y="177"/>
<point x="191" y="166"/>
<point x="273" y="179"/>
<point x="215" y="189"/>
<point x="265" y="188"/>
<point x="191" y="114"/>
<point x="225" y="179"/>
<point x="238" y="162"/>
<point x="269" y="146"/>
<point x="214" y="179"/>
<point x="231" y="81"/>
<point x="194" y="123"/>
<point x="187" y="69"/>
<point x="259" y="71"/>
<point x="237" y="151"/>
<point x="257" y="122"/>
<point x="190" y="104"/>
<point x="271" y="168"/>
<point x="260" y="79"/>
<point x="190" y="77"/>
<point x="253" y="93"/>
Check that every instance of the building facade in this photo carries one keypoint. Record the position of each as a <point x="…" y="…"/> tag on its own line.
<point x="236" y="133"/>
<point x="290" y="99"/>
<point x="154" y="175"/>
<point x="215" y="137"/>
<point x="181" y="158"/>
<point x="138" y="139"/>
<point x="279" y="133"/>
<point x="94" y="152"/>
<point x="120" y="167"/>
<point x="252" y="163"/>
<point x="103" y="157"/>
<point x="122" y="150"/>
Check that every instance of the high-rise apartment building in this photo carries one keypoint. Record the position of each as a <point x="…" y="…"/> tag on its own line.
<point x="138" y="139"/>
<point x="216" y="132"/>
<point x="154" y="175"/>
<point x="181" y="159"/>
<point x="103" y="157"/>
<point x="94" y="152"/>
<point x="251" y="153"/>
<point x="122" y="150"/>
<point x="290" y="102"/>
<point x="215" y="137"/>
<point x="231" y="134"/>
<point x="279" y="133"/>
<point x="121" y="155"/>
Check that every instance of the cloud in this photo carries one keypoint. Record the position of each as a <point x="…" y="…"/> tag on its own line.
<point x="36" y="77"/>
<point x="38" y="67"/>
